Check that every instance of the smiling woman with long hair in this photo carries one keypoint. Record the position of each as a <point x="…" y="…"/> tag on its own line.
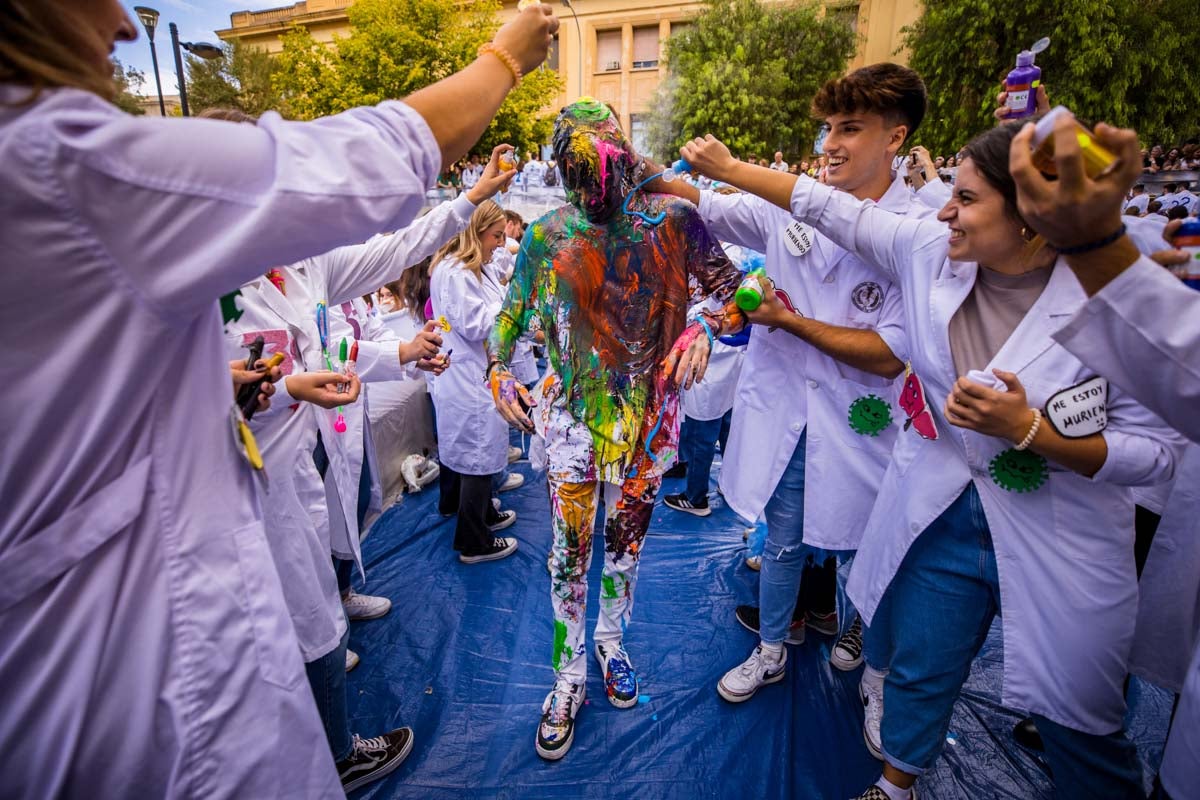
<point x="147" y="649"/>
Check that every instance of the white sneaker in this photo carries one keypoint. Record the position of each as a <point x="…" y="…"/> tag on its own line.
<point x="871" y="694"/>
<point x="365" y="606"/>
<point x="556" y="730"/>
<point x="514" y="454"/>
<point x="351" y="659"/>
<point x="740" y="683"/>
<point x="515" y="480"/>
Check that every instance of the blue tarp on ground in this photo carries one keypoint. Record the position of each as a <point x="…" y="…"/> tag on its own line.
<point x="464" y="659"/>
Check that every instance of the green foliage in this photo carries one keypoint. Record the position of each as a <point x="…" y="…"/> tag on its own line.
<point x="1134" y="63"/>
<point x="746" y="72"/>
<point x="240" y="79"/>
<point x="396" y="47"/>
<point x="130" y="81"/>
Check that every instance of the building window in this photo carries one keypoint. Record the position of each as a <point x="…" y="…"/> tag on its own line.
<point x="681" y="27"/>
<point x="608" y="51"/>
<point x="639" y="132"/>
<point x="847" y="14"/>
<point x="645" y="47"/>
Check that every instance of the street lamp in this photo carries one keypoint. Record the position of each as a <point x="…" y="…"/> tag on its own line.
<point x="199" y="49"/>
<point x="149" y="19"/>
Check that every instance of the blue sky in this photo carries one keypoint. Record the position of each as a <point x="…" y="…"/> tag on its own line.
<point x="196" y="19"/>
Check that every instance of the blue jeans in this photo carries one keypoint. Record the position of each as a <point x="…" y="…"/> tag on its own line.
<point x="787" y="561"/>
<point x="327" y="679"/>
<point x="942" y="602"/>
<point x="697" y="444"/>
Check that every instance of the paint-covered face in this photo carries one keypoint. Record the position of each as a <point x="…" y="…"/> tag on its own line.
<point x="595" y="158"/>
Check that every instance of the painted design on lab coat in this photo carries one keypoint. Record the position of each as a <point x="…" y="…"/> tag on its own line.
<point x="1080" y="410"/>
<point x="912" y="400"/>
<point x="870" y="415"/>
<point x="1018" y="470"/>
<point x="230" y="311"/>
<point x="867" y="296"/>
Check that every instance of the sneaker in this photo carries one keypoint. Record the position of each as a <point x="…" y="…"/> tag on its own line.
<point x="875" y="793"/>
<point x="680" y="502"/>
<point x="871" y="695"/>
<point x="556" y="731"/>
<point x="515" y="480"/>
<point x="847" y="653"/>
<point x="677" y="471"/>
<point x="1027" y="735"/>
<point x="351" y="659"/>
<point x="754" y="562"/>
<point x="748" y="616"/>
<point x="503" y="520"/>
<point x="620" y="679"/>
<point x="514" y="454"/>
<point x="371" y="759"/>
<point x="824" y="624"/>
<point x="501" y="547"/>
<point x="365" y="606"/>
<point x="740" y="683"/>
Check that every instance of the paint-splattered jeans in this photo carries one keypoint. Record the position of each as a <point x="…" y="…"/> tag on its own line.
<point x="628" y="507"/>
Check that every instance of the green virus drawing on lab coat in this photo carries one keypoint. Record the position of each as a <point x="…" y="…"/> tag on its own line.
<point x="870" y="415"/>
<point x="1019" y="470"/>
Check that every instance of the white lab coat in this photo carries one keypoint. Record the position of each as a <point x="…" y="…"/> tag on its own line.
<point x="383" y="258"/>
<point x="296" y="514"/>
<point x="935" y="193"/>
<point x="1168" y="625"/>
<point x="1067" y="584"/>
<point x="472" y="436"/>
<point x="147" y="650"/>
<point x="787" y="385"/>
<point x="712" y="397"/>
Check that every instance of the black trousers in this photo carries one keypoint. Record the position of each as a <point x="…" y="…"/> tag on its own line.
<point x="471" y="532"/>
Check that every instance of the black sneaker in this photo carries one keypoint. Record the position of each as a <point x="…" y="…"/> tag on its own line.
<point x="825" y="624"/>
<point x="680" y="502"/>
<point x="556" y="731"/>
<point x="371" y="759"/>
<point x="1027" y="735"/>
<point x="748" y="616"/>
<point x="875" y="793"/>
<point x="847" y="652"/>
<point x="501" y="547"/>
<point x="677" y="471"/>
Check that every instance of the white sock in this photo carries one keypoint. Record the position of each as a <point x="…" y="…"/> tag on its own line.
<point x="893" y="791"/>
<point x="873" y="677"/>
<point x="772" y="652"/>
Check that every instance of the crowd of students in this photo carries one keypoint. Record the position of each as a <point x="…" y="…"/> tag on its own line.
<point x="958" y="390"/>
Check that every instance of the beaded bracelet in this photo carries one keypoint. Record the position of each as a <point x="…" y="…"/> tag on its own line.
<point x="1090" y="246"/>
<point x="506" y="59"/>
<point x="1033" y="429"/>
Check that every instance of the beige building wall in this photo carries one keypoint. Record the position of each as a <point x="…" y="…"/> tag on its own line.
<point x="621" y="60"/>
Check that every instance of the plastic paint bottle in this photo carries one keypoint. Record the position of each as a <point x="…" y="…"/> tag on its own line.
<point x="1096" y="158"/>
<point x="675" y="170"/>
<point x="749" y="294"/>
<point x="1187" y="239"/>
<point x="1023" y="82"/>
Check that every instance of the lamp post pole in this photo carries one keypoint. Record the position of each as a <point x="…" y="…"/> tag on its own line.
<point x="183" y="104"/>
<point x="149" y="19"/>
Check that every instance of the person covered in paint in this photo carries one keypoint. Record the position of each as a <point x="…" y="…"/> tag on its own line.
<point x="1009" y="491"/>
<point x="611" y="291"/>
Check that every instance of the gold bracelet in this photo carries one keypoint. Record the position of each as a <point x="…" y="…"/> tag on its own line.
<point x="1033" y="429"/>
<point x="506" y="59"/>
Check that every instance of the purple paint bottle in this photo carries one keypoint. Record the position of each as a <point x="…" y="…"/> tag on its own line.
<point x="1022" y="83"/>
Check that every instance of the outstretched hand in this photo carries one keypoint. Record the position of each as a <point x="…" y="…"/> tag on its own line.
<point x="508" y="394"/>
<point x="688" y="360"/>
<point x="493" y="179"/>
<point x="709" y="156"/>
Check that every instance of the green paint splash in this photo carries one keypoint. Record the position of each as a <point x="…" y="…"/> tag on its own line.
<point x="610" y="588"/>
<point x="560" y="644"/>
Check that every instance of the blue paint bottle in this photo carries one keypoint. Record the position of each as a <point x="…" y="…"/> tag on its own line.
<point x="1023" y="82"/>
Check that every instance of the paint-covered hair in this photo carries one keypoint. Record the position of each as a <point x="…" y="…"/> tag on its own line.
<point x="595" y="157"/>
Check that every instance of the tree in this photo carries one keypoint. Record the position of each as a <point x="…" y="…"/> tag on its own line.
<point x="240" y="78"/>
<point x="129" y="82"/>
<point x="1133" y="63"/>
<point x="396" y="47"/>
<point x="746" y="72"/>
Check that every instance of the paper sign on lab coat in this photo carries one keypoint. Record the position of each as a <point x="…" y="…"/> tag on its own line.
<point x="1081" y="410"/>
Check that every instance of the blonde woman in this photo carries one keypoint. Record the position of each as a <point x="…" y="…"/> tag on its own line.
<point x="472" y="437"/>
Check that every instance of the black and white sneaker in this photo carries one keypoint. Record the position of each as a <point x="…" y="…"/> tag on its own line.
<point x="680" y="502"/>
<point x="371" y="759"/>
<point x="501" y="547"/>
<point x="748" y="616"/>
<point x="556" y="730"/>
<point x="502" y="520"/>
<point x="760" y="669"/>
<point x="847" y="653"/>
<point x="875" y="793"/>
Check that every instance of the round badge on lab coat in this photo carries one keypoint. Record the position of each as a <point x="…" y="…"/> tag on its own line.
<point x="798" y="238"/>
<point x="1081" y="410"/>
